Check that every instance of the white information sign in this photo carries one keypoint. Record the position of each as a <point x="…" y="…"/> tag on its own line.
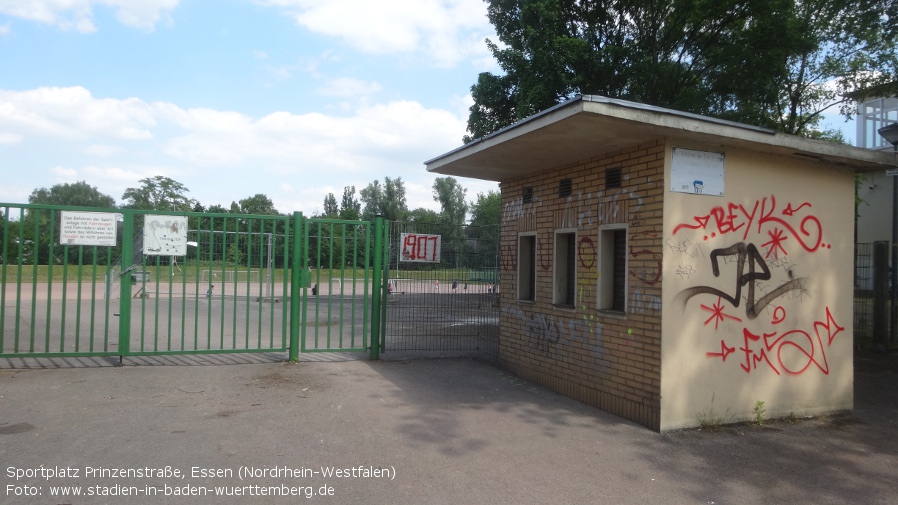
<point x="87" y="228"/>
<point x="420" y="248"/>
<point x="697" y="172"/>
<point x="165" y="235"/>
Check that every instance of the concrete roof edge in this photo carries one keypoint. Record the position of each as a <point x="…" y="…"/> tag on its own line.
<point x="722" y="131"/>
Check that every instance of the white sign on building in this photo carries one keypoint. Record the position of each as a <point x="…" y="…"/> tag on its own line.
<point x="697" y="172"/>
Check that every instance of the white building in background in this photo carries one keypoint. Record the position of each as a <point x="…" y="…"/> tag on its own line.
<point x="875" y="212"/>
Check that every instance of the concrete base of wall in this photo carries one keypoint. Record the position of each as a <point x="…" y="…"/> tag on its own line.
<point x="639" y="413"/>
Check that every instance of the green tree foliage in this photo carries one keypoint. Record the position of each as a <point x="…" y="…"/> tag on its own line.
<point x="487" y="209"/>
<point x="40" y="229"/>
<point x="486" y="215"/>
<point x="258" y="204"/>
<point x="350" y="207"/>
<point x="158" y="193"/>
<point x="421" y="216"/>
<point x="454" y="210"/>
<point x="387" y="199"/>
<point x="79" y="194"/>
<point x="330" y="206"/>
<point x="845" y="47"/>
<point x="766" y="62"/>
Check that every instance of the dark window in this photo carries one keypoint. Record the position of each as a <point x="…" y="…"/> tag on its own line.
<point x="613" y="269"/>
<point x="565" y="281"/>
<point x="618" y="289"/>
<point x="527" y="267"/>
<point x="528" y="194"/>
<point x="613" y="178"/>
<point x="564" y="188"/>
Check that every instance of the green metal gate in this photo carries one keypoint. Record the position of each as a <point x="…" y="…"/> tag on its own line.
<point x="123" y="282"/>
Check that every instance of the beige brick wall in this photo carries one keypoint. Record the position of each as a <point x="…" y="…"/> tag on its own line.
<point x="609" y="360"/>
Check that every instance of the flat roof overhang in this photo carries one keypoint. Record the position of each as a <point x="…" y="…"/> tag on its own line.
<point x="590" y="126"/>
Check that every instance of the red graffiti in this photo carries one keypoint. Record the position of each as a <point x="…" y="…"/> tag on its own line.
<point x="647" y="276"/>
<point x="736" y="218"/>
<point x="717" y="314"/>
<point x="724" y="352"/>
<point x="508" y="258"/>
<point x="791" y="352"/>
<point x="586" y="253"/>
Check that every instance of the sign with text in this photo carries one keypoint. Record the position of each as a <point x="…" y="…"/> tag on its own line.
<point x="87" y="228"/>
<point x="420" y="248"/>
<point x="696" y="172"/>
<point x="165" y="235"/>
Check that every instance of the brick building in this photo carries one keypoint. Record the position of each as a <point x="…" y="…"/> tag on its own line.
<point x="671" y="268"/>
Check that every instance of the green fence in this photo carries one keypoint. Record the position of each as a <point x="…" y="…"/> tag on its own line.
<point x="122" y="282"/>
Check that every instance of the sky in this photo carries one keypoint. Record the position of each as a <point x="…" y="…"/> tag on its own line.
<point x="293" y="99"/>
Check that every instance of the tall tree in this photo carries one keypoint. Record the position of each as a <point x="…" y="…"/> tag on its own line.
<point x="79" y="194"/>
<point x="846" y="47"/>
<point x="454" y="210"/>
<point x="387" y="199"/>
<point x="258" y="204"/>
<point x="487" y="209"/>
<point x="158" y="193"/>
<point x="350" y="207"/>
<point x="764" y="62"/>
<point x="330" y="206"/>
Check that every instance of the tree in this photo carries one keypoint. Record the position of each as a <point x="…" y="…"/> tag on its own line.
<point x="846" y="47"/>
<point x="487" y="210"/>
<point x="454" y="209"/>
<point x="79" y="194"/>
<point x="258" y="204"/>
<point x="421" y="216"/>
<point x="387" y="199"/>
<point x="158" y="193"/>
<point x="350" y="207"/>
<point x="330" y="206"/>
<point x="774" y="63"/>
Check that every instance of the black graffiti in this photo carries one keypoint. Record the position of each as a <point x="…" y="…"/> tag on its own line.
<point x="746" y="255"/>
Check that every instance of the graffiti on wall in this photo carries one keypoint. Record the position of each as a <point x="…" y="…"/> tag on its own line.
<point x="755" y="282"/>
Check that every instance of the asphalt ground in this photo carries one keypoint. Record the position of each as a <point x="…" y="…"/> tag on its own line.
<point x="450" y="430"/>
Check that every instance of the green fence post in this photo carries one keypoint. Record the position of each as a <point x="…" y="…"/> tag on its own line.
<point x="377" y="282"/>
<point x="124" y="328"/>
<point x="295" y="277"/>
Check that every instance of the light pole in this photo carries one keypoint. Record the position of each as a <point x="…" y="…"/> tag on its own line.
<point x="890" y="134"/>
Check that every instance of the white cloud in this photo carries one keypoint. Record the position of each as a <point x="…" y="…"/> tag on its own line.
<point x="225" y="155"/>
<point x="348" y="87"/>
<point x="5" y="28"/>
<point x="72" y="113"/>
<point x="103" y="151"/>
<point x="447" y="31"/>
<point x="78" y="14"/>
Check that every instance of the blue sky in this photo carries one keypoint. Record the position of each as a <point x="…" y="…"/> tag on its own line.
<point x="291" y="98"/>
<point x="294" y="99"/>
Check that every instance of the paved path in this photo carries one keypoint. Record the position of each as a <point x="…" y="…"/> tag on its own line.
<point x="444" y="431"/>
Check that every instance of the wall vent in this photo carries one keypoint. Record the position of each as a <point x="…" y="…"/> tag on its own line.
<point x="564" y="188"/>
<point x="528" y="194"/>
<point x="613" y="178"/>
